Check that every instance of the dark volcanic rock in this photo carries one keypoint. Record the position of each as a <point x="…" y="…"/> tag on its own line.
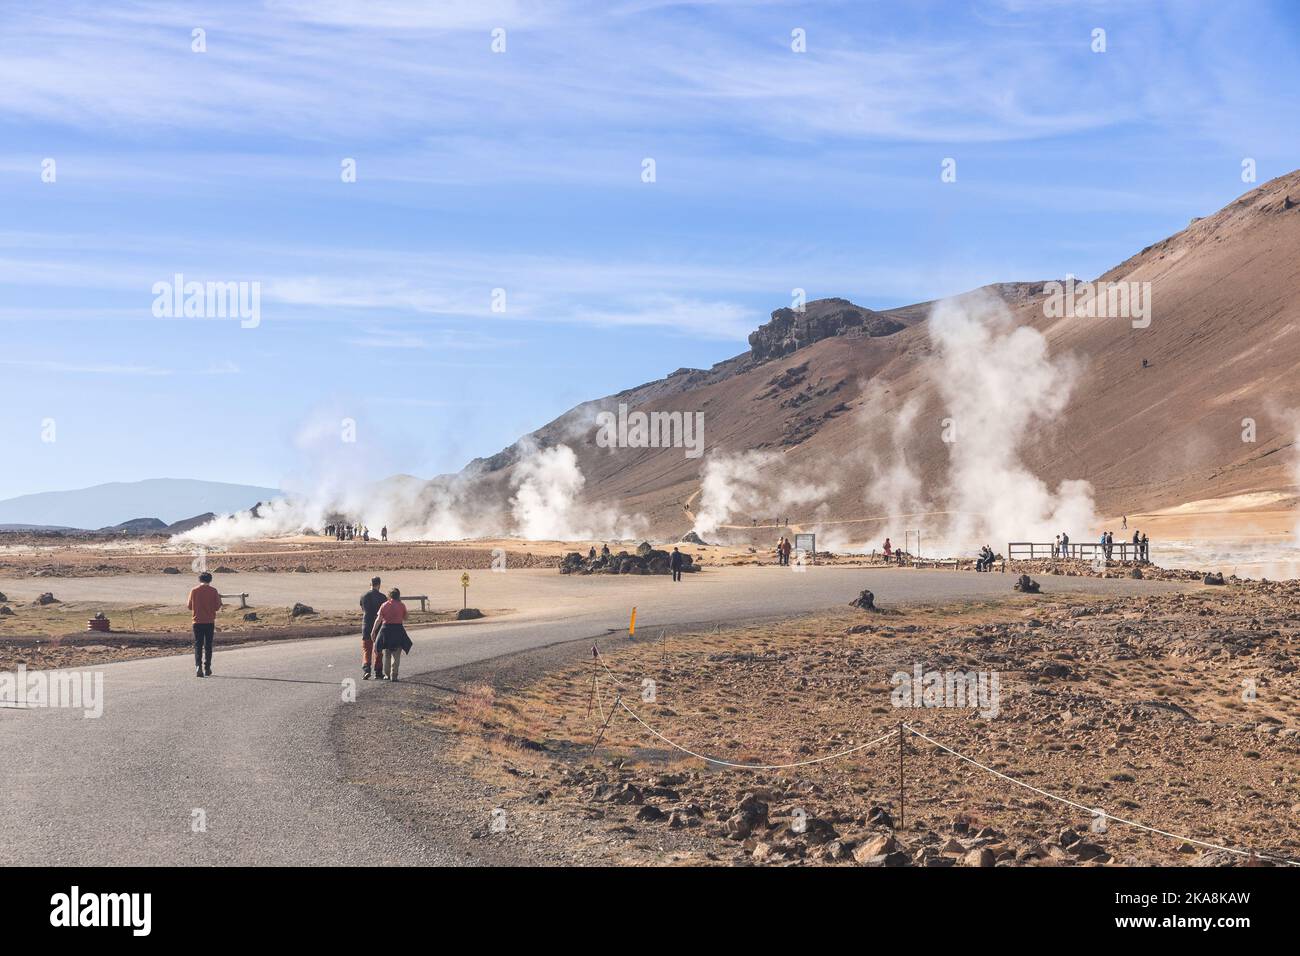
<point x="821" y="319"/>
<point x="647" y="560"/>
<point x="865" y="601"/>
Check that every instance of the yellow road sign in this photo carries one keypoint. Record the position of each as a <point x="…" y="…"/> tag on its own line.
<point x="464" y="580"/>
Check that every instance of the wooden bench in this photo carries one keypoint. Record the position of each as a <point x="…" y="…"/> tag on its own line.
<point x="422" y="598"/>
<point x="243" y="599"/>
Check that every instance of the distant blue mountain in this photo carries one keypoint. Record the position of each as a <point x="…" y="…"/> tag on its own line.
<point x="167" y="499"/>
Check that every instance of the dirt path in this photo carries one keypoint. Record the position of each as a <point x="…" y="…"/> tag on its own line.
<point x="1151" y="726"/>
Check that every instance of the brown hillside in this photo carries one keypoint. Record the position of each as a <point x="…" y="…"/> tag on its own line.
<point x="1222" y="345"/>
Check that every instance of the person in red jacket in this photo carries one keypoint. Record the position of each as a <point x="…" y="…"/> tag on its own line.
<point x="205" y="602"/>
<point x="391" y="638"/>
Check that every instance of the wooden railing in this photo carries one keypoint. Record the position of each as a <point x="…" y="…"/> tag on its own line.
<point x="1123" y="551"/>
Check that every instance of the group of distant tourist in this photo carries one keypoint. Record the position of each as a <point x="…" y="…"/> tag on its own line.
<point x="1106" y="544"/>
<point x="351" y="532"/>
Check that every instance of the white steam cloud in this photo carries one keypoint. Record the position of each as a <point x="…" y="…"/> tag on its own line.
<point x="752" y="483"/>
<point x="548" y="505"/>
<point x="542" y="500"/>
<point x="996" y="383"/>
<point x="999" y="383"/>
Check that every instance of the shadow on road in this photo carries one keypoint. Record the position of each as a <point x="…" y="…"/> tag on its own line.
<point x="282" y="680"/>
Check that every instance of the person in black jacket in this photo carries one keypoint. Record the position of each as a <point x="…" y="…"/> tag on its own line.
<point x="675" y="564"/>
<point x="371" y="602"/>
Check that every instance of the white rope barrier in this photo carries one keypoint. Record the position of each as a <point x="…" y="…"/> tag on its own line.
<point x="1096" y="811"/>
<point x="1091" y="811"/>
<point x="751" y="766"/>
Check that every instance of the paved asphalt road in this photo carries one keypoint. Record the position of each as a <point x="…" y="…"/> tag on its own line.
<point x="250" y="748"/>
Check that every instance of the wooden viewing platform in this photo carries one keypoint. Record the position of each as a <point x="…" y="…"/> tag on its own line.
<point x="1121" y="551"/>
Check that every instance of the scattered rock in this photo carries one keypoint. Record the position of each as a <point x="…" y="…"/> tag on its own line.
<point x="171" y="570"/>
<point x="1026" y="584"/>
<point x="866" y="601"/>
<point x="300" y="609"/>
<point x="1213" y="577"/>
<point x="818" y="831"/>
<point x="250" y="616"/>
<point x="468" y="614"/>
<point x="1086" y="851"/>
<point x="5" y="610"/>
<point x="47" y="598"/>
<point x="749" y="815"/>
<point x="682" y="818"/>
<point x="613" y="793"/>
<point x="877" y="846"/>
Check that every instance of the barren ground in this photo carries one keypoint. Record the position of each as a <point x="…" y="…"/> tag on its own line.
<point x="1173" y="710"/>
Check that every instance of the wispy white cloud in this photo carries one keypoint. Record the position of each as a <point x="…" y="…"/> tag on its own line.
<point x="282" y="67"/>
<point x="93" y="368"/>
<point x="436" y="295"/>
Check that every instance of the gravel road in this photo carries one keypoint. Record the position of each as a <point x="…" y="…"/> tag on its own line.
<point x="248" y="750"/>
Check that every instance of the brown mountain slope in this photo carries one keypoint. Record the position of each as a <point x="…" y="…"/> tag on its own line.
<point x="1222" y="345"/>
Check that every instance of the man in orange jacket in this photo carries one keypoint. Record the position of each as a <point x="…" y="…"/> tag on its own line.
<point x="205" y="602"/>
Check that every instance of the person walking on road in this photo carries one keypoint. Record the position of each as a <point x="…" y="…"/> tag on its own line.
<point x="888" y="551"/>
<point x="371" y="602"/>
<point x="390" y="634"/>
<point x="675" y="564"/>
<point x="205" y="602"/>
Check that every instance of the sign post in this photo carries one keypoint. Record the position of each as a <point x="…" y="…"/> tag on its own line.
<point x="807" y="543"/>
<point x="464" y="589"/>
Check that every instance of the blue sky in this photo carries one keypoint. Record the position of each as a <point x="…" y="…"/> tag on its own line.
<point x="522" y="170"/>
